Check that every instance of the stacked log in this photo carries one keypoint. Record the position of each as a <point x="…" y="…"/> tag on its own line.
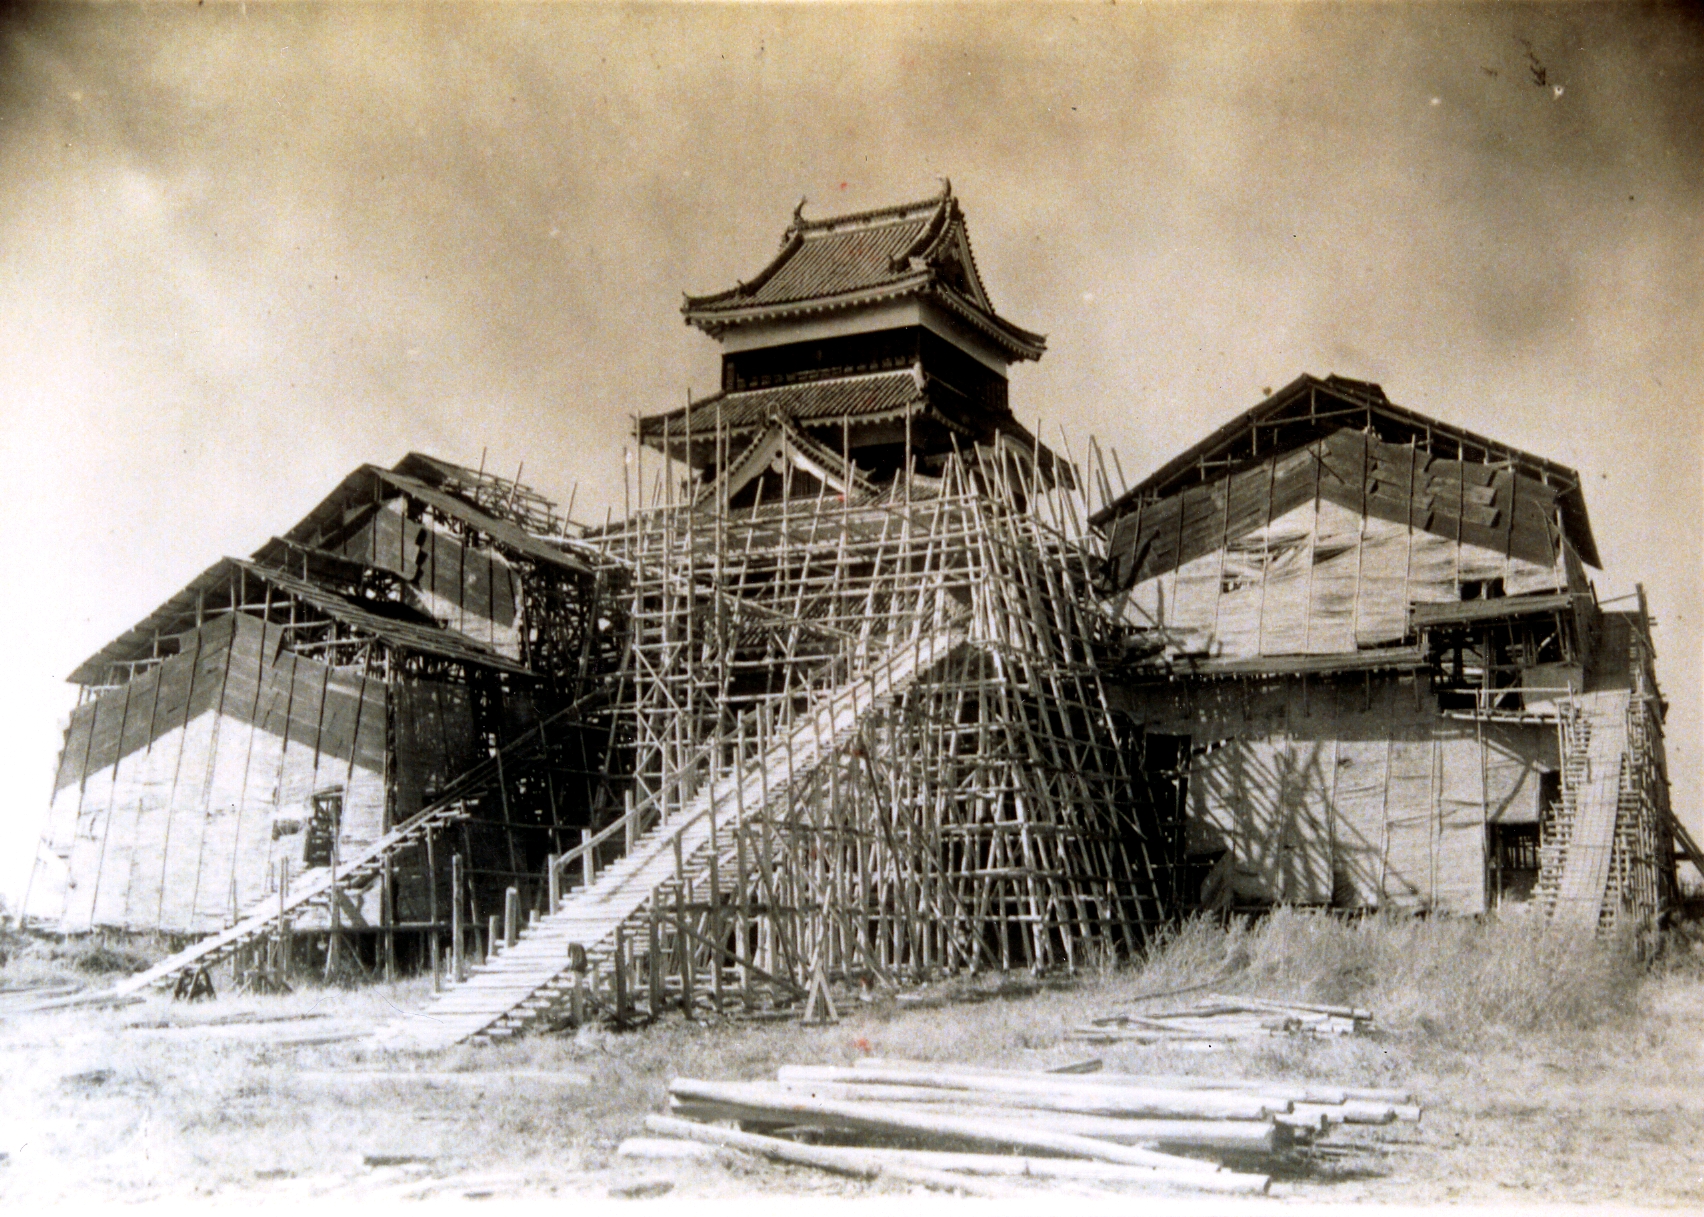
<point x="1223" y="1020"/>
<point x="938" y="1124"/>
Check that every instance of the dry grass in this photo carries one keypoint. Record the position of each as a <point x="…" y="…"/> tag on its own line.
<point x="1553" y="1069"/>
<point x="1454" y="979"/>
<point x="28" y="959"/>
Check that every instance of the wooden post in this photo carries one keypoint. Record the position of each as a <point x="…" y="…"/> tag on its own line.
<point x="511" y="917"/>
<point x="742" y="921"/>
<point x="333" y="938"/>
<point x="458" y="971"/>
<point x="683" y="947"/>
<point x="713" y="918"/>
<point x="577" y="996"/>
<point x="494" y="936"/>
<point x="654" y="965"/>
<point x="588" y="864"/>
<point x="631" y="829"/>
<point x="432" y="944"/>
<point x="620" y="976"/>
<point x="555" y="882"/>
<point x="388" y="910"/>
<point x="286" y="939"/>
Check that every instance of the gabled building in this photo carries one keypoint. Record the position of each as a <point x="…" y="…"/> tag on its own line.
<point x="1371" y="670"/>
<point x="870" y="333"/>
<point x="286" y="710"/>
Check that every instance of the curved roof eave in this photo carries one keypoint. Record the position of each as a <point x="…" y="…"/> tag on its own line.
<point x="1021" y="343"/>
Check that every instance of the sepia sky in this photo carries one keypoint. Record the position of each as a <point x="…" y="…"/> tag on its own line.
<point x="246" y="248"/>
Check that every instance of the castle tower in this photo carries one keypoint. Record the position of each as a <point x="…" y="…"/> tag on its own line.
<point x="868" y="334"/>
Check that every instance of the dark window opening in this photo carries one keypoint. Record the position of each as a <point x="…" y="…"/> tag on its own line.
<point x="320" y="843"/>
<point x="1514" y="862"/>
<point x="1160" y="776"/>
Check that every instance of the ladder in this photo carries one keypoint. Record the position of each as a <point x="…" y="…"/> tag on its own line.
<point x="1593" y="771"/>
<point x="524" y="983"/>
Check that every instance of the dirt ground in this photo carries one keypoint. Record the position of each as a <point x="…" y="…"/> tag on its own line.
<point x="174" y="1102"/>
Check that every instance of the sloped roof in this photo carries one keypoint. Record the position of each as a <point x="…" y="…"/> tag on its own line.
<point x="178" y="615"/>
<point x="785" y="441"/>
<point x="364" y="484"/>
<point x="868" y="397"/>
<point x="863" y="398"/>
<point x="1308" y="408"/>
<point x="505" y="498"/>
<point x="866" y="257"/>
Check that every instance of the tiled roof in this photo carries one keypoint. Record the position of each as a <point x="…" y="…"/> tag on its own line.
<point x="826" y="264"/>
<point x="913" y="249"/>
<point x="869" y="397"/>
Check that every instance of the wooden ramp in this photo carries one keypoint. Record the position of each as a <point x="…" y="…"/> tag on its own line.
<point x="314" y="888"/>
<point x="1592" y="788"/>
<point x="525" y="982"/>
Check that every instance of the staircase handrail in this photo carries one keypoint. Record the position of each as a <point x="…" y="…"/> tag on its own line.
<point x="559" y="867"/>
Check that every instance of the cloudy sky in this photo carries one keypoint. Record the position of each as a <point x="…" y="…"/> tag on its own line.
<point x="246" y="248"/>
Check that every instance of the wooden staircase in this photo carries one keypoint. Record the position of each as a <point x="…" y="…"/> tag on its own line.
<point x="1575" y="859"/>
<point x="526" y="982"/>
<point x="315" y="887"/>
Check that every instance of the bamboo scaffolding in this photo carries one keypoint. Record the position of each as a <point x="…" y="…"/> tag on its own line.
<point x="984" y="816"/>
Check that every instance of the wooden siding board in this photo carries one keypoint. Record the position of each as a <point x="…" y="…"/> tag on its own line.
<point x="221" y="817"/>
<point x="151" y="811"/>
<point x="1494" y="509"/>
<point x="250" y="649"/>
<point x="1358" y="818"/>
<point x="95" y="830"/>
<point x="384" y="539"/>
<point x="1516" y="760"/>
<point x="1410" y="812"/>
<point x="1158" y="537"/>
<point x="83" y="865"/>
<point x="307" y="709"/>
<point x="73" y="757"/>
<point x="1203" y="520"/>
<point x="1305" y="792"/>
<point x="1335" y="579"/>
<point x="104" y="731"/>
<point x="119" y="841"/>
<point x="434" y="740"/>
<point x="180" y="849"/>
<point x="1286" y="580"/>
<point x="1236" y="789"/>
<point x="476" y="593"/>
<point x="1460" y="844"/>
<point x="503" y="593"/>
<point x="202" y="813"/>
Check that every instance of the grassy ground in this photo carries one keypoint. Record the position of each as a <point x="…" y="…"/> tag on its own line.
<point x="1552" y="1070"/>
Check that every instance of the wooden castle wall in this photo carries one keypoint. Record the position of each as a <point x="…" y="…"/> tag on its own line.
<point x="170" y="787"/>
<point x="1353" y="792"/>
<point x="471" y="589"/>
<point x="1322" y="550"/>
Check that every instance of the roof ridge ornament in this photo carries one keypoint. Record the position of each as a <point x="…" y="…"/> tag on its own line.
<point x="915" y="256"/>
